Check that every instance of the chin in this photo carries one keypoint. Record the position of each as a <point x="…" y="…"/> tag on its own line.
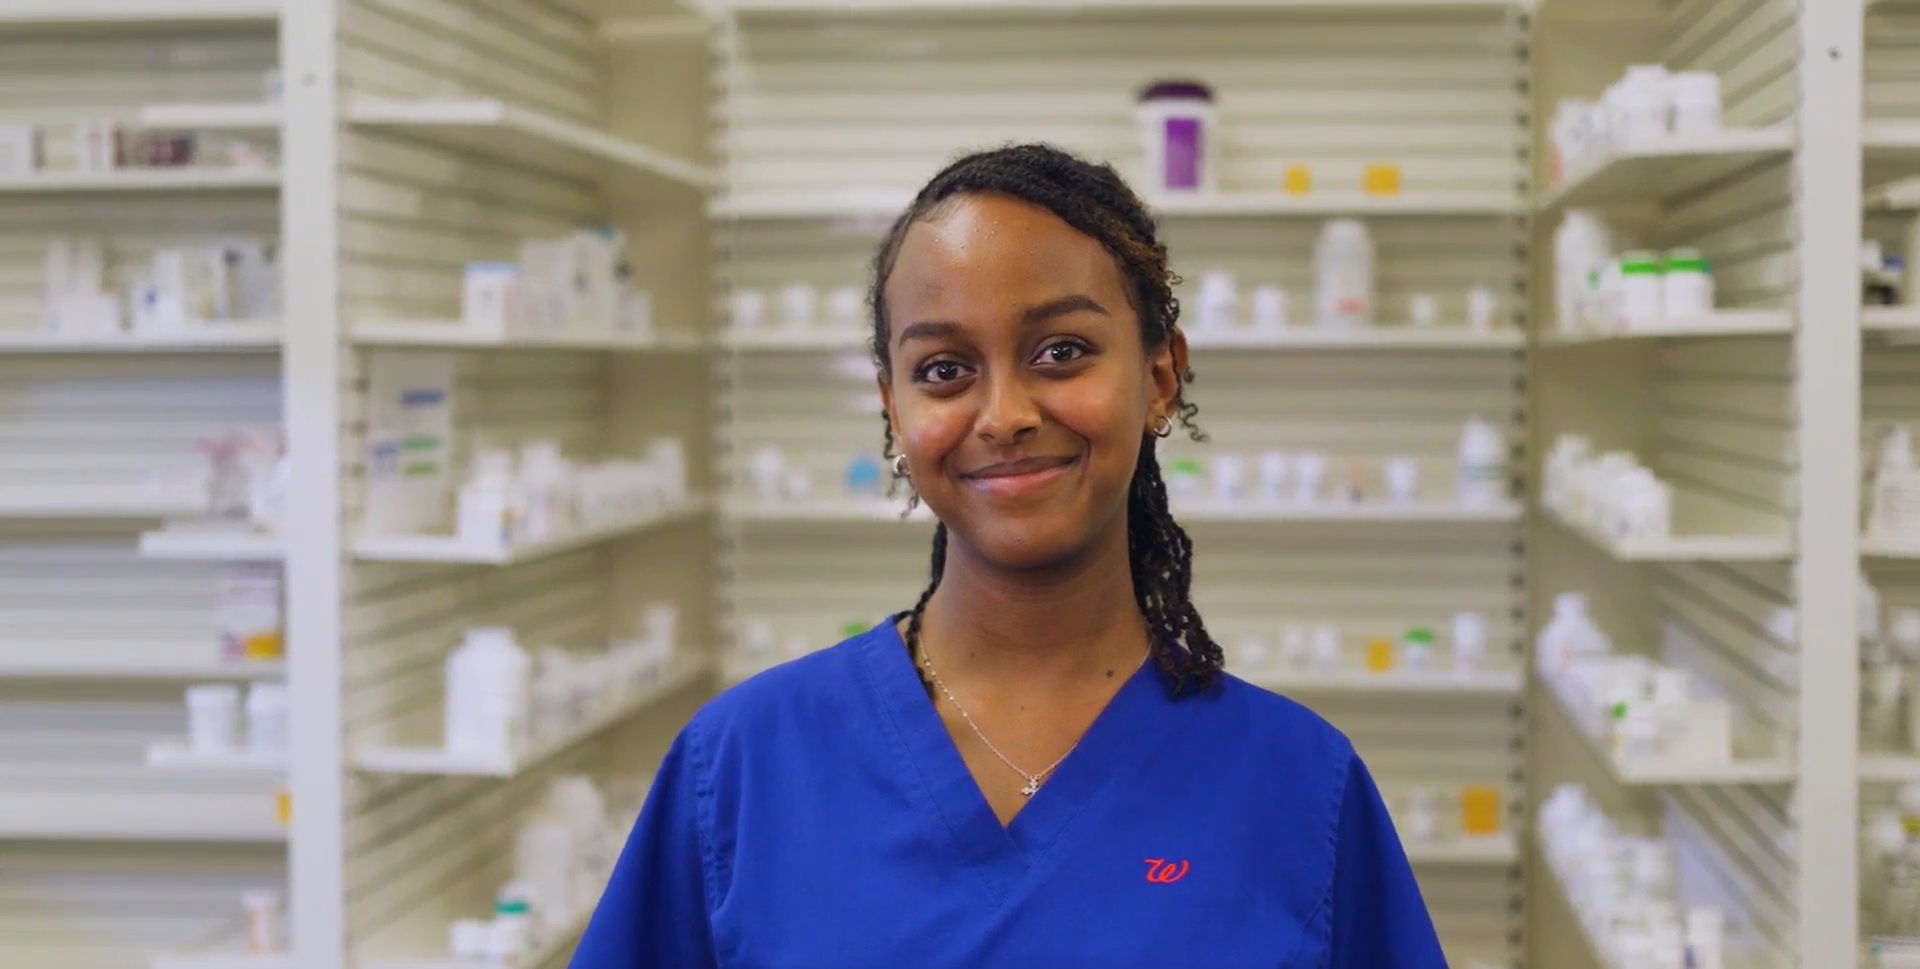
<point x="1040" y="540"/>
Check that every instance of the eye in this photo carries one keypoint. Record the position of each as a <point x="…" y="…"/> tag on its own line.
<point x="940" y="372"/>
<point x="1064" y="352"/>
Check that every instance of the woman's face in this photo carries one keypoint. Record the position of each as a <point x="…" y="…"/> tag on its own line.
<point x="1020" y="390"/>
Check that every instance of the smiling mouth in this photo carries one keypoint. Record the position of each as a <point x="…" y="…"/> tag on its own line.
<point x="1014" y="479"/>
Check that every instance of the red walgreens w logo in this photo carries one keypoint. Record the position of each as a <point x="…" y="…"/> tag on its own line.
<point x="1163" y="872"/>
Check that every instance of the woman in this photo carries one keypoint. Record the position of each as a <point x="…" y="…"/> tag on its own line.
<point x="1041" y="764"/>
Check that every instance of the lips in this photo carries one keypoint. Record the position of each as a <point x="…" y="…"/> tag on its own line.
<point x="1014" y="479"/>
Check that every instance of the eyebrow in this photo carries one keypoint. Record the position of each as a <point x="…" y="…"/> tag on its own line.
<point x="1037" y="313"/>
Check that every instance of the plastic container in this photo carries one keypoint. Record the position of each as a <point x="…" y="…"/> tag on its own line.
<point x="1642" y="293"/>
<point x="1269" y="308"/>
<point x="1896" y="487"/>
<point x="1176" y="121"/>
<point x="267" y="717"/>
<point x="1469" y="642"/>
<point x="1483" y="309"/>
<point x="486" y="711"/>
<point x="1402" y="476"/>
<point x="1422" y="309"/>
<point x="1343" y="277"/>
<point x="261" y="908"/>
<point x="1695" y="96"/>
<point x="545" y="858"/>
<point x="247" y="610"/>
<point x="1686" y="285"/>
<point x="1218" y="303"/>
<point x="1571" y="635"/>
<point x="1416" y="650"/>
<point x="1325" y="649"/>
<point x="1274" y="470"/>
<point x="213" y="717"/>
<point x="1482" y="465"/>
<point x="1639" y="106"/>
<point x="1581" y="244"/>
<point x="1309" y="468"/>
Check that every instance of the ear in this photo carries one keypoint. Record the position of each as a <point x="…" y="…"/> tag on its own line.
<point x="1164" y="370"/>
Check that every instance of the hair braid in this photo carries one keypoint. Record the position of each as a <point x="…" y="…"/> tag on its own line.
<point x="1096" y="201"/>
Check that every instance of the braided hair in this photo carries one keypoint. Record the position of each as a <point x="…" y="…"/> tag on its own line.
<point x="1093" y="199"/>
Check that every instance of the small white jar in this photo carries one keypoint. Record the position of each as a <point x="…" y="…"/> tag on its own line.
<point x="1642" y="293"/>
<point x="1686" y="285"/>
<point x="213" y="716"/>
<point x="1695" y="96"/>
<point x="267" y="717"/>
<point x="1176" y="122"/>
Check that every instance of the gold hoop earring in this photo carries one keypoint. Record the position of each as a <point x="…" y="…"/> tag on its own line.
<point x="900" y="469"/>
<point x="1163" y="427"/>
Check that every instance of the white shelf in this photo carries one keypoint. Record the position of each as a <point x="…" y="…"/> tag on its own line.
<point x="1719" y="323"/>
<point x="173" y="755"/>
<point x="56" y="662"/>
<point x="545" y="953"/>
<point x="110" y="805"/>
<point x="1251" y="512"/>
<point x="1499" y="849"/>
<point x="682" y="671"/>
<point x="1485" y="682"/>
<point x="200" y="178"/>
<point x="451" y="550"/>
<point x="120" y="13"/>
<point x="886" y="204"/>
<point x="1890" y="319"/>
<point x="823" y="510"/>
<point x="498" y="128"/>
<point x="1003" y="7"/>
<point x="1372" y="338"/>
<point x="212" y="545"/>
<point x="834" y="340"/>
<point x="1890" y="768"/>
<point x="213" y="116"/>
<point x="1661" y="166"/>
<point x="1890" y="547"/>
<point x="453" y="334"/>
<point x="1890" y="140"/>
<point x="1682" y="548"/>
<point x="228" y="961"/>
<point x="263" y="335"/>
<point x="54" y="505"/>
<point x="1635" y="772"/>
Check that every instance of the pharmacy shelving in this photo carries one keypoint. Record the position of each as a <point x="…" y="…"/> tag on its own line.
<point x="250" y="336"/>
<point x="225" y="960"/>
<point x="1602" y="955"/>
<point x="1385" y="338"/>
<point x="546" y="952"/>
<point x="1890" y="319"/>
<point x="516" y="132"/>
<point x="92" y="802"/>
<point x="119" y="15"/>
<point x="454" y="550"/>
<point x="1722" y="323"/>
<point x="1679" y="548"/>
<point x="213" y="115"/>
<point x="212" y="545"/>
<point x="175" y="755"/>
<point x="1498" y="849"/>
<point x="1653" y="772"/>
<point x="1381" y="512"/>
<point x="1889" y="768"/>
<point x="1667" y="165"/>
<point x="186" y="178"/>
<point x="1005" y="8"/>
<point x="126" y="661"/>
<point x="1891" y="141"/>
<point x="453" y="334"/>
<point x="1313" y="682"/>
<point x="51" y="504"/>
<point x="846" y="509"/>
<point x="883" y="204"/>
<point x="1890" y="547"/>
<point x="684" y="670"/>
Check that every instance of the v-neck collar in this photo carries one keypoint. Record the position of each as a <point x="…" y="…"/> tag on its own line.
<point x="1112" y="746"/>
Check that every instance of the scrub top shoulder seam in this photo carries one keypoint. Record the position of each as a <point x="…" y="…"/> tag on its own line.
<point x="705" y="799"/>
<point x="1319" y="925"/>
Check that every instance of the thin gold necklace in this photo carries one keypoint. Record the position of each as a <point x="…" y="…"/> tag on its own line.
<point x="1033" y="781"/>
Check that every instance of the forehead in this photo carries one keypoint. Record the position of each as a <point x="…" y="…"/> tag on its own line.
<point x="980" y="249"/>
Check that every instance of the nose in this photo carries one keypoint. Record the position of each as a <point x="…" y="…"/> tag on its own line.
<point x="1008" y="414"/>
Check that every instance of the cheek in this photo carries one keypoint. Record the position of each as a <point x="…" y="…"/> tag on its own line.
<point x="929" y="430"/>
<point x="1103" y="412"/>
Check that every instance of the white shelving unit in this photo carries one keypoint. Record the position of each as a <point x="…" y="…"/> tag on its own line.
<point x="1680" y="548"/>
<point x="1669" y="164"/>
<point x="454" y="550"/>
<point x="203" y="178"/>
<point x="1730" y="323"/>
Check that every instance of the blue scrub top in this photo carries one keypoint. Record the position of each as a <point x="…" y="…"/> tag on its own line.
<point x="818" y="816"/>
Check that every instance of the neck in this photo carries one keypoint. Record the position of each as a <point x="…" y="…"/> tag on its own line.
<point x="1068" y="623"/>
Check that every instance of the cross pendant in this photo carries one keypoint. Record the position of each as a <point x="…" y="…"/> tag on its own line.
<point x="1032" y="785"/>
